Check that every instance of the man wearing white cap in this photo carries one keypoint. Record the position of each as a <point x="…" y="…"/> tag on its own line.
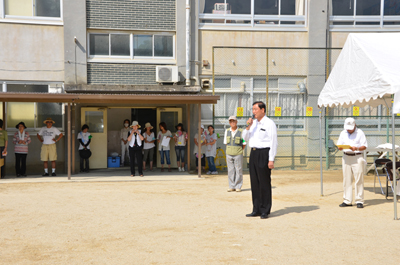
<point x="352" y="162"/>
<point x="234" y="155"/>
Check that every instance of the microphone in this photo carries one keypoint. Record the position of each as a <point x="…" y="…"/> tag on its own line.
<point x="253" y="117"/>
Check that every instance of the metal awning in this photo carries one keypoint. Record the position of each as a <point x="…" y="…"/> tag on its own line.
<point x="73" y="98"/>
<point x="109" y="98"/>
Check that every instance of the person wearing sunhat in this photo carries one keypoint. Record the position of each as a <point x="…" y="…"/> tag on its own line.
<point x="135" y="148"/>
<point x="180" y="138"/>
<point x="148" y="146"/>
<point x="352" y="162"/>
<point x="47" y="135"/>
<point x="21" y="140"/>
<point x="234" y="155"/>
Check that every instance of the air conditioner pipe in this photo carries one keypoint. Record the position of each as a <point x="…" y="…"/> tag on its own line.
<point x="188" y="42"/>
<point x="195" y="79"/>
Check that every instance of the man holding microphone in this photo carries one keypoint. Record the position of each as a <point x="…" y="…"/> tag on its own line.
<point x="261" y="136"/>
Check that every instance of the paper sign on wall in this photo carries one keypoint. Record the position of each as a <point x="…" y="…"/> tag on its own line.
<point x="278" y="111"/>
<point x="239" y="112"/>
<point x="356" y="111"/>
<point x="309" y="111"/>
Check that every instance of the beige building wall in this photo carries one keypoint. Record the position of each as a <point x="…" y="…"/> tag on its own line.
<point x="338" y="39"/>
<point x="233" y="61"/>
<point x="31" y="52"/>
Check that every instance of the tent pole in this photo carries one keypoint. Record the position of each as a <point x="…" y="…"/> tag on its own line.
<point x="394" y="166"/>
<point x="320" y="152"/>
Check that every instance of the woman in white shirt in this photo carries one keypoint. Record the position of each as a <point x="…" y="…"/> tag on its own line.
<point x="203" y="148"/>
<point x="84" y="138"/>
<point x="211" y="150"/>
<point x="148" y="146"/>
<point x="163" y="134"/>
<point x="135" y="148"/>
<point x="180" y="146"/>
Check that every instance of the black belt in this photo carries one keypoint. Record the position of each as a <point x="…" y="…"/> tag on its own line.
<point x="352" y="154"/>
<point x="254" y="149"/>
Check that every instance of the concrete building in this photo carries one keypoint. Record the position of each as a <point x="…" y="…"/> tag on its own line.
<point x="100" y="47"/>
<point x="292" y="36"/>
<point x="145" y="47"/>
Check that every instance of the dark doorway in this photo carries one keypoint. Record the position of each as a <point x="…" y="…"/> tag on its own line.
<point x="143" y="116"/>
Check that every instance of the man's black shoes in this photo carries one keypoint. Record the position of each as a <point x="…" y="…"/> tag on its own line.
<point x="45" y="174"/>
<point x="344" y="205"/>
<point x="264" y="216"/>
<point x="253" y="214"/>
<point x="360" y="205"/>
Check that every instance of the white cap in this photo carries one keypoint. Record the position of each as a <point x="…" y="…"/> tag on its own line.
<point x="232" y="118"/>
<point x="202" y="126"/>
<point x="349" y="124"/>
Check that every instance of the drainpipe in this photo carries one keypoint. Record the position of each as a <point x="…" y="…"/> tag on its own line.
<point x="188" y="42"/>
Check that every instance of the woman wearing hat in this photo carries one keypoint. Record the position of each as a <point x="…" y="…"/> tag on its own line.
<point x="148" y="146"/>
<point x="135" y="148"/>
<point x="21" y="140"/>
<point x="180" y="144"/>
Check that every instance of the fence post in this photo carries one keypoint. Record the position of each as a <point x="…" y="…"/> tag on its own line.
<point x="213" y="84"/>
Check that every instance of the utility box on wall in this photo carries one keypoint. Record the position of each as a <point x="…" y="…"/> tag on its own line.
<point x="167" y="74"/>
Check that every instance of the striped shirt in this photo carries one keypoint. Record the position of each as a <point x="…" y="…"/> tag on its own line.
<point x="21" y="148"/>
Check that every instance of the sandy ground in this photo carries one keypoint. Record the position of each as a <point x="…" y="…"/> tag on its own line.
<point x="194" y="221"/>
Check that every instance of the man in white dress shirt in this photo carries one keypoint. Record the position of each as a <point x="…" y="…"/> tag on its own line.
<point x="261" y="136"/>
<point x="353" y="162"/>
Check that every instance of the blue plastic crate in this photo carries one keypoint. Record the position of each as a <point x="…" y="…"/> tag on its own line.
<point x="113" y="161"/>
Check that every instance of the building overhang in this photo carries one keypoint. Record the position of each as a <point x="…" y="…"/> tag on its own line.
<point x="147" y="89"/>
<point x="109" y="98"/>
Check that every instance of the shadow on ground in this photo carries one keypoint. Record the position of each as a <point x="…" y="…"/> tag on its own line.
<point x="294" y="209"/>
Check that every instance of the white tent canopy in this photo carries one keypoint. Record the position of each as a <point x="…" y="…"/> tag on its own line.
<point x="367" y="71"/>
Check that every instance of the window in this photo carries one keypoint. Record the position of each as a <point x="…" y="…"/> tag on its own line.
<point x="116" y="45"/>
<point x="365" y="13"/>
<point x="252" y="13"/>
<point x="109" y="44"/>
<point x="32" y="8"/>
<point x="33" y="114"/>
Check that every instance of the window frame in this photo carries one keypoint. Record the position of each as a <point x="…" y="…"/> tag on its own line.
<point x="252" y="17"/>
<point x="132" y="58"/>
<point x="31" y="19"/>
<point x="36" y="126"/>
<point x="381" y="19"/>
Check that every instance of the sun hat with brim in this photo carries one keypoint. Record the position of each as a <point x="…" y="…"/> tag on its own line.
<point x="49" y="120"/>
<point x="17" y="126"/>
<point x="349" y="124"/>
<point x="147" y="125"/>
<point x="135" y="123"/>
<point x="232" y="118"/>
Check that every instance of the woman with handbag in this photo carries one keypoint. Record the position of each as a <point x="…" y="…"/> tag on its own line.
<point x="21" y="140"/>
<point x="84" y="139"/>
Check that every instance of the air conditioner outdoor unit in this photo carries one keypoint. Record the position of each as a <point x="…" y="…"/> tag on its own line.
<point x="167" y="74"/>
<point x="222" y="7"/>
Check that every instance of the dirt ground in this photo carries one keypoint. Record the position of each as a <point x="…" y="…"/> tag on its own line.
<point x="194" y="221"/>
